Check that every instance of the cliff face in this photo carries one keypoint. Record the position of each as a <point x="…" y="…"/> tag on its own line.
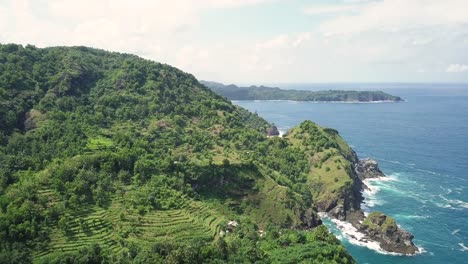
<point x="376" y="226"/>
<point x="350" y="197"/>
<point x="368" y="168"/>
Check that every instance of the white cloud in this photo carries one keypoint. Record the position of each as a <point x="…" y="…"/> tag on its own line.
<point x="330" y="9"/>
<point x="301" y="38"/>
<point x="397" y="15"/>
<point x="421" y="41"/>
<point x="457" y="68"/>
<point x="367" y="40"/>
<point x="231" y="3"/>
<point x="143" y="27"/>
<point x="285" y="41"/>
<point x="357" y="1"/>
<point x="104" y="23"/>
<point x="276" y="42"/>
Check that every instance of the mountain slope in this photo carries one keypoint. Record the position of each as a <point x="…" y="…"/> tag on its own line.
<point x="110" y="157"/>
<point x="233" y="92"/>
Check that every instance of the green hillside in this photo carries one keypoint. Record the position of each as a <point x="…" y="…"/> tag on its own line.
<point x="110" y="158"/>
<point x="234" y="92"/>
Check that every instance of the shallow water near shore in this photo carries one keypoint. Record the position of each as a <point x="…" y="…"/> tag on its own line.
<point x="422" y="147"/>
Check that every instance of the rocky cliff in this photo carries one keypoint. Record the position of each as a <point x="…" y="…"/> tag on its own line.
<point x="368" y="168"/>
<point x="376" y="226"/>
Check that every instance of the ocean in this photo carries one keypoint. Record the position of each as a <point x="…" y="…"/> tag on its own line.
<point x="421" y="145"/>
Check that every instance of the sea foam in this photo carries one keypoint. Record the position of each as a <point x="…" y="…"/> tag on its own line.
<point x="452" y="203"/>
<point x="372" y="189"/>
<point x="463" y="247"/>
<point x="355" y="237"/>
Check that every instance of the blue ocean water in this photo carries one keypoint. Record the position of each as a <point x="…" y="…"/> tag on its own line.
<point x="421" y="144"/>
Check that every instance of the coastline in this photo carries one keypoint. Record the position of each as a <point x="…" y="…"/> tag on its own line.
<point x="354" y="236"/>
<point x="422" y="178"/>
<point x="321" y="102"/>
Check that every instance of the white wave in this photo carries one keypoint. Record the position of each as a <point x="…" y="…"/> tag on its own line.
<point x="455" y="231"/>
<point x="460" y="203"/>
<point x="415" y="216"/>
<point x="373" y="188"/>
<point x="421" y="250"/>
<point x="428" y="171"/>
<point x="353" y="236"/>
<point x="366" y="207"/>
<point x="441" y="205"/>
<point x="281" y="132"/>
<point x="464" y="248"/>
<point x="452" y="203"/>
<point x="398" y="162"/>
<point x="446" y="190"/>
<point x="391" y="161"/>
<point x="391" y="177"/>
<point x="373" y="183"/>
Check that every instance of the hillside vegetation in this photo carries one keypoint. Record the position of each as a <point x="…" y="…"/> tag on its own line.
<point x="110" y="158"/>
<point x="233" y="92"/>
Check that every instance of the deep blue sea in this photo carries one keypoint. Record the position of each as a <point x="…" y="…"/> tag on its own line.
<point x="420" y="144"/>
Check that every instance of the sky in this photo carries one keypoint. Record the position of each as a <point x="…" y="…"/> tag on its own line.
<point x="261" y="41"/>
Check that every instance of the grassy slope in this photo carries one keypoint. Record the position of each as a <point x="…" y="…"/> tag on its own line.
<point x="329" y="178"/>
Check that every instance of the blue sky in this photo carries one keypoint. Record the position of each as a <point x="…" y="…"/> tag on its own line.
<point x="261" y="41"/>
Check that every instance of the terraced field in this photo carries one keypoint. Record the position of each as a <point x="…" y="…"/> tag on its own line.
<point x="93" y="226"/>
<point x="112" y="228"/>
<point x="194" y="221"/>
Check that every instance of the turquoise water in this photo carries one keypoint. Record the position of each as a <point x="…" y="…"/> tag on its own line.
<point x="422" y="144"/>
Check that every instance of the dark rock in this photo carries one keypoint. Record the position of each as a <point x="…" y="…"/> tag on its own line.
<point x="338" y="212"/>
<point x="310" y="219"/>
<point x="384" y="230"/>
<point x="368" y="168"/>
<point x="355" y="218"/>
<point x="272" y="131"/>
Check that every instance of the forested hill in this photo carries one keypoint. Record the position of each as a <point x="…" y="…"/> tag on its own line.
<point x="233" y="92"/>
<point x="110" y="158"/>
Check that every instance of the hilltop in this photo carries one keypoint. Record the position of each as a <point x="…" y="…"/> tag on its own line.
<point x="233" y="92"/>
<point x="107" y="157"/>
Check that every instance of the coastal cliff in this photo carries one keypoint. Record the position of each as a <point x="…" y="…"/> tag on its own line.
<point x="103" y="147"/>
<point x="376" y="226"/>
<point x="368" y="168"/>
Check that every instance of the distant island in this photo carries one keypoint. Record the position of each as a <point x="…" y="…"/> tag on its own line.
<point x="234" y="92"/>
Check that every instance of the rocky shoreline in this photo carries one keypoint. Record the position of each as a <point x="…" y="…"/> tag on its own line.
<point x="374" y="230"/>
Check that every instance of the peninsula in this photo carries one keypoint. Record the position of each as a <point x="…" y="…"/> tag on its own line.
<point x="234" y="92"/>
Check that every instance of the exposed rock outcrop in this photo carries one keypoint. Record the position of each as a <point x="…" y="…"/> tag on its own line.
<point x="272" y="131"/>
<point x="310" y="219"/>
<point x="383" y="229"/>
<point x="376" y="226"/>
<point x="368" y="168"/>
<point x="351" y="196"/>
